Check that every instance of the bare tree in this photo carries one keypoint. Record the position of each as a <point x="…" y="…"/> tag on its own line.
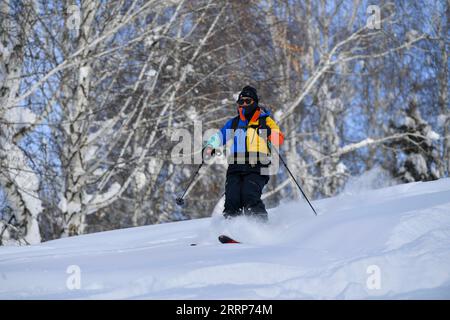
<point x="17" y="178"/>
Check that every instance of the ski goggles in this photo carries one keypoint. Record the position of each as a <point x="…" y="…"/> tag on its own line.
<point x="247" y="101"/>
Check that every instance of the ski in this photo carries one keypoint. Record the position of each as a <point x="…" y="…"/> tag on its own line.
<point x="225" y="239"/>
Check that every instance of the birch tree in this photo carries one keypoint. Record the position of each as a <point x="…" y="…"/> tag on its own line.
<point x="18" y="180"/>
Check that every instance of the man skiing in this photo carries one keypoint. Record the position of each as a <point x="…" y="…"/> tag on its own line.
<point x="253" y="132"/>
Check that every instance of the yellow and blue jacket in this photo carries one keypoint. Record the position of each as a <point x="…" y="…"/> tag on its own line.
<point x="249" y="136"/>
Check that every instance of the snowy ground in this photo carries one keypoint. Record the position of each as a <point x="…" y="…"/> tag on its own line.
<point x="387" y="243"/>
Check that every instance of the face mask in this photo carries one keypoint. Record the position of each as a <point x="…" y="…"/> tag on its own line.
<point x="248" y="111"/>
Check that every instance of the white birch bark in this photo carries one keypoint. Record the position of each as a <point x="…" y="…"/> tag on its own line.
<point x="17" y="178"/>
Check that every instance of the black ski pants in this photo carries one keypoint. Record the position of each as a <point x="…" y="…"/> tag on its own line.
<point x="243" y="194"/>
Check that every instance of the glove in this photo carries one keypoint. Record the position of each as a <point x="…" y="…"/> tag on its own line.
<point x="208" y="152"/>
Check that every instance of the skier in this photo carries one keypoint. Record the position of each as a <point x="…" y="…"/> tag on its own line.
<point x="254" y="132"/>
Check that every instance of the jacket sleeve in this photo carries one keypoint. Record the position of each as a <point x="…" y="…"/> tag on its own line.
<point x="221" y="137"/>
<point x="276" y="136"/>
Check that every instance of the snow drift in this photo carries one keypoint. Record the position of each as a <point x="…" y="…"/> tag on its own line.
<point x="390" y="243"/>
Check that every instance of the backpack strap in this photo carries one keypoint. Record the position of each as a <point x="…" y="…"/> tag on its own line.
<point x="235" y="123"/>
<point x="263" y="125"/>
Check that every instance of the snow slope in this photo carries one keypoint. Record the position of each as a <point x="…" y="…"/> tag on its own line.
<point x="387" y="243"/>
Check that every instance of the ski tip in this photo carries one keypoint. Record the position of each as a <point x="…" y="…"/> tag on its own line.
<point x="226" y="239"/>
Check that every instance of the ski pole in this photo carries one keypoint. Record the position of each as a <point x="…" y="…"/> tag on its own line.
<point x="292" y="176"/>
<point x="180" y="200"/>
